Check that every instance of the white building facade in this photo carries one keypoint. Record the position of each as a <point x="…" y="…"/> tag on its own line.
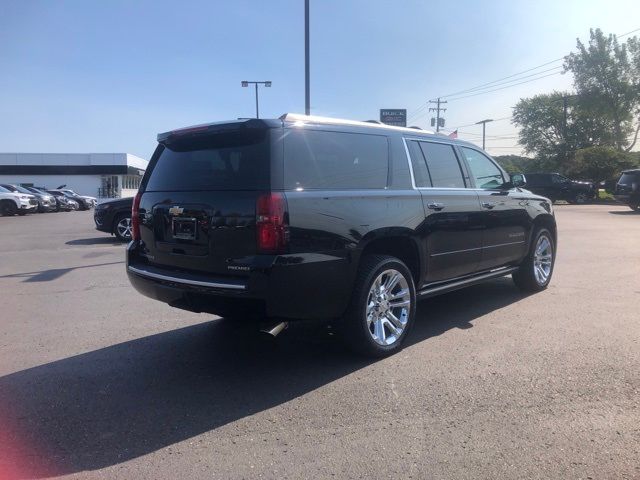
<point x="102" y="175"/>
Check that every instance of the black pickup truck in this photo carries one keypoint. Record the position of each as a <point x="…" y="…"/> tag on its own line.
<point x="306" y="217"/>
<point x="557" y="187"/>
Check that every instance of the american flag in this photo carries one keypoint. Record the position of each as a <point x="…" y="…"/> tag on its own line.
<point x="454" y="134"/>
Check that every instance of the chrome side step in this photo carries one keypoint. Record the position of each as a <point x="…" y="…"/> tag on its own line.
<point x="431" y="291"/>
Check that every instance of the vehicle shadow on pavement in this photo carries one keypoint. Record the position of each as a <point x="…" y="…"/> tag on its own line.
<point x="53" y="273"/>
<point x="624" y="212"/>
<point x="118" y="403"/>
<point x="95" y="241"/>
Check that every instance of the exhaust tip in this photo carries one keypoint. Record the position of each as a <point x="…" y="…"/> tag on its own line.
<point x="275" y="329"/>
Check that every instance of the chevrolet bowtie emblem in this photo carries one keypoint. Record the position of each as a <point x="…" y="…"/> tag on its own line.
<point x="176" y="210"/>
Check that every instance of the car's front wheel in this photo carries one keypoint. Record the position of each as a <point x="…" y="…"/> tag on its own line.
<point x="8" y="208"/>
<point x="383" y="307"/>
<point x="122" y="228"/>
<point x="536" y="269"/>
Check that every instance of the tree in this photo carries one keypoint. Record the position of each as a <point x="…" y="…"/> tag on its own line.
<point x="606" y="79"/>
<point x="551" y="136"/>
<point x="599" y="163"/>
<point x="541" y="121"/>
<point x="633" y="45"/>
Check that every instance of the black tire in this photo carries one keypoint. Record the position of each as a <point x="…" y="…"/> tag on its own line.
<point x="8" y="208"/>
<point x="635" y="206"/>
<point x="580" y="198"/>
<point x="525" y="277"/>
<point x="22" y="213"/>
<point x="126" y="217"/>
<point x="357" y="332"/>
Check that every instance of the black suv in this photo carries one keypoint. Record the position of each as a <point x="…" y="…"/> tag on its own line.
<point x="315" y="218"/>
<point x="114" y="217"/>
<point x="628" y="189"/>
<point x="556" y="187"/>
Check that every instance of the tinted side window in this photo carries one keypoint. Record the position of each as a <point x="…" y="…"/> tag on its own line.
<point x="483" y="170"/>
<point x="538" y="180"/>
<point x="559" y="179"/>
<point x="316" y="159"/>
<point x="443" y="165"/>
<point x="420" y="172"/>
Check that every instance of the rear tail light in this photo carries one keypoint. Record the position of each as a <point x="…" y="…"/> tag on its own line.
<point x="135" y="217"/>
<point x="272" y="223"/>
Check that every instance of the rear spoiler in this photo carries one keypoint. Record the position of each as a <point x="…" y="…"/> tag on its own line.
<point x="218" y="127"/>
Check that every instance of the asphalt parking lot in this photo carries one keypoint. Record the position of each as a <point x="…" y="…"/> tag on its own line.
<point x="97" y="381"/>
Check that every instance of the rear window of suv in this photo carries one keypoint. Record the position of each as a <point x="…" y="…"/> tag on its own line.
<point x="315" y="159"/>
<point x="226" y="161"/>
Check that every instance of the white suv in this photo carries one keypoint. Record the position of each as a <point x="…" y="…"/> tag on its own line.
<point x="20" y="203"/>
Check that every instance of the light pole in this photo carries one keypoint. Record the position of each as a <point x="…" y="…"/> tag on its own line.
<point x="484" y="124"/>
<point x="246" y="83"/>
<point x="307" y="80"/>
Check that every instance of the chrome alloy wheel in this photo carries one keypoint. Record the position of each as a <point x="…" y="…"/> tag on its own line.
<point x="124" y="228"/>
<point x="388" y="307"/>
<point x="543" y="259"/>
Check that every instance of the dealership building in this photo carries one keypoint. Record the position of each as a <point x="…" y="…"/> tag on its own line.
<point x="102" y="175"/>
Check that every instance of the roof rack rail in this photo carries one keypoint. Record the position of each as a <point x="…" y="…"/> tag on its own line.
<point x="299" y="118"/>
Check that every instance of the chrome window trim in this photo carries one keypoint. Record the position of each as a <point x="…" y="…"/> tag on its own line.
<point x="478" y="248"/>
<point x="198" y="283"/>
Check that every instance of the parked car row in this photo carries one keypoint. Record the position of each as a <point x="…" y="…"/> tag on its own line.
<point x="16" y="199"/>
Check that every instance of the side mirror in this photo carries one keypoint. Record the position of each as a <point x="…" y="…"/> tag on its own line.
<point x="518" y="180"/>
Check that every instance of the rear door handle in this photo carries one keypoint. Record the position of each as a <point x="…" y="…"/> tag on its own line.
<point x="435" y="206"/>
<point x="488" y="205"/>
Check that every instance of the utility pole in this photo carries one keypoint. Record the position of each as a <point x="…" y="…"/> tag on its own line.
<point x="565" y="105"/>
<point x="484" y="125"/>
<point x="437" y="110"/>
<point x="307" y="80"/>
<point x="246" y="83"/>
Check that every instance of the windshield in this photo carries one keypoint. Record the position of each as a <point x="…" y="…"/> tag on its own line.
<point x="21" y="189"/>
<point x="4" y="190"/>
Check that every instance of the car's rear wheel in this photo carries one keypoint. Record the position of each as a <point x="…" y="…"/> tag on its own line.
<point x="580" y="199"/>
<point x="122" y="228"/>
<point x="536" y="269"/>
<point x="7" y="208"/>
<point x="382" y="308"/>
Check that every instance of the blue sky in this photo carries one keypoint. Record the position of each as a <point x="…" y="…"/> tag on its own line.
<point x="85" y="76"/>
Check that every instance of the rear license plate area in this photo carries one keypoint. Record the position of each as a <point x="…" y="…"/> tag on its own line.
<point x="184" y="228"/>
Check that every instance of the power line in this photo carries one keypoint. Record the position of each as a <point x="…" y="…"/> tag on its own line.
<point x="628" y="33"/>
<point x="502" y="88"/>
<point x="500" y="80"/>
<point x="518" y="74"/>
<point x="472" y="124"/>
